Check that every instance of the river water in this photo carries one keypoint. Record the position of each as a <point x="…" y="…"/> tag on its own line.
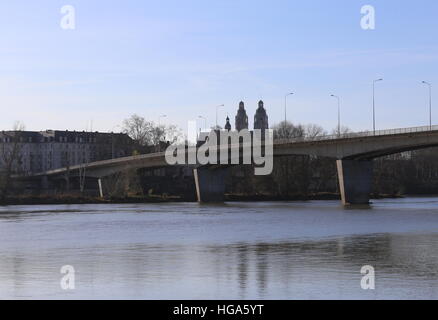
<point x="270" y="250"/>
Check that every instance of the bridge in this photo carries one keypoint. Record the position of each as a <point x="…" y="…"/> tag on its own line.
<point x="354" y="154"/>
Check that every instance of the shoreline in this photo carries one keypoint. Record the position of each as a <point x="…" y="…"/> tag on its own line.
<point x="66" y="200"/>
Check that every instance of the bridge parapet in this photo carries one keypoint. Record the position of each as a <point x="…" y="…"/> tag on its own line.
<point x="363" y="134"/>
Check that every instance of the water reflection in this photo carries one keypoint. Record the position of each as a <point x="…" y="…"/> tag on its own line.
<point x="312" y="250"/>
<point x="298" y="269"/>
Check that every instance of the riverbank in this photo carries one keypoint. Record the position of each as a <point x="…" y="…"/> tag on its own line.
<point x="75" y="199"/>
<point x="299" y="197"/>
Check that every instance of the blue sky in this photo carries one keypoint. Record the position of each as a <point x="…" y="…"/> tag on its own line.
<point x="182" y="58"/>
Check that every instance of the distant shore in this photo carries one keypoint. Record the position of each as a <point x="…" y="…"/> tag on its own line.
<point x="36" y="200"/>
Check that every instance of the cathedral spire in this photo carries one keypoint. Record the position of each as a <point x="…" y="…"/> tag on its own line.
<point x="228" y="124"/>
<point x="241" y="118"/>
<point x="261" y="120"/>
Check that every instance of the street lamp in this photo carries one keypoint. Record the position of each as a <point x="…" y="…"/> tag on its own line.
<point x="430" y="103"/>
<point x="217" y="107"/>
<point x="285" y="106"/>
<point x="205" y="121"/>
<point x="374" y="105"/>
<point x="339" y="114"/>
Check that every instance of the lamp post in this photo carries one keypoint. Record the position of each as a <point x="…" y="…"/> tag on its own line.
<point x="430" y="103"/>
<point x="339" y="114"/>
<point x="217" y="107"/>
<point x="285" y="106"/>
<point x="205" y="121"/>
<point x="374" y="105"/>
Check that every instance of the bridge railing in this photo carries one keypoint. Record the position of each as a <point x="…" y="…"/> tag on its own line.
<point x="358" y="134"/>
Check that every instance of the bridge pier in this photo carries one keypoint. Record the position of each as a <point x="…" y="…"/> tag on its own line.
<point x="210" y="183"/>
<point x="355" y="181"/>
<point x="99" y="184"/>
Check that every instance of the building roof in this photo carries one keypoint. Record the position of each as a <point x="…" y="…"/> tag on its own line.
<point x="62" y="136"/>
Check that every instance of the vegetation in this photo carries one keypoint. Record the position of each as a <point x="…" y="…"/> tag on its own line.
<point x="147" y="133"/>
<point x="287" y="130"/>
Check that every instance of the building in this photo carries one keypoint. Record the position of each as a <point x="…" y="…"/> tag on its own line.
<point x="32" y="151"/>
<point x="261" y="118"/>
<point x="228" y="124"/>
<point x="241" y="118"/>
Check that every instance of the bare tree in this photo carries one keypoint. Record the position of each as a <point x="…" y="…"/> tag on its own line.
<point x="147" y="133"/>
<point x="138" y="129"/>
<point x="163" y="133"/>
<point x="158" y="134"/>
<point x="344" y="131"/>
<point x="287" y="130"/>
<point x="313" y="130"/>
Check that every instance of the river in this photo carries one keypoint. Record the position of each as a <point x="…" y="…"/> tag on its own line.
<point x="269" y="250"/>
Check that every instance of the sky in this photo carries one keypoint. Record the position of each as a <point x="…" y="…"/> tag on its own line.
<point x="183" y="58"/>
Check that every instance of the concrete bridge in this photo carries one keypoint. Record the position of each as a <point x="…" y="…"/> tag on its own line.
<point x="353" y="152"/>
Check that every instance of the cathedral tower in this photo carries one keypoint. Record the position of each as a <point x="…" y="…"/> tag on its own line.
<point x="228" y="124"/>
<point x="261" y="118"/>
<point x="241" y="118"/>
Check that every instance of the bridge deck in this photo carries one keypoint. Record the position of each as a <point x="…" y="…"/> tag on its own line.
<point x="366" y="145"/>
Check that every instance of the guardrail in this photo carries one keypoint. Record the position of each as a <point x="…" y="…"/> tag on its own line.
<point x="359" y="134"/>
